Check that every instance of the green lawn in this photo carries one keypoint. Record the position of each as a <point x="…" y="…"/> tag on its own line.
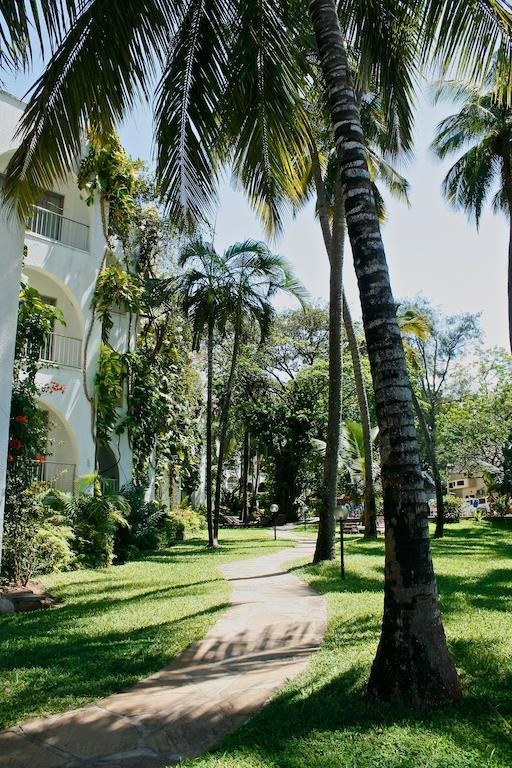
<point x="321" y="720"/>
<point x="115" y="626"/>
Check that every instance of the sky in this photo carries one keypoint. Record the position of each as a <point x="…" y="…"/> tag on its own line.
<point x="432" y="250"/>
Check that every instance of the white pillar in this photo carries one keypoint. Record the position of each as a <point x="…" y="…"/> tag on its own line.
<point x="11" y="255"/>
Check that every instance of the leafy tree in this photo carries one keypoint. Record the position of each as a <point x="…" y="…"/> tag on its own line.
<point x="485" y="124"/>
<point x="254" y="275"/>
<point x="475" y="419"/>
<point x="284" y="420"/>
<point x="435" y="343"/>
<point x="253" y="78"/>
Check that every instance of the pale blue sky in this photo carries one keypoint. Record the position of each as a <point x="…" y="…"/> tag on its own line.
<point x="431" y="248"/>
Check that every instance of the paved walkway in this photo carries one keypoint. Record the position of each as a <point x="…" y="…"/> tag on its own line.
<point x="266" y="637"/>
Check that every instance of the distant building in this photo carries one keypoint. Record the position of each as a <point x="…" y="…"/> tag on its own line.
<point x="466" y="486"/>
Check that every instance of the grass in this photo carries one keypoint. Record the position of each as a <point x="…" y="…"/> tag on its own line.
<point x="115" y="626"/>
<point x="322" y="720"/>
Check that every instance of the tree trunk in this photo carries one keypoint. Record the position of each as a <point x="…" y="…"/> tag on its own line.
<point x="326" y="541"/>
<point x="245" y="474"/>
<point x="510" y="279"/>
<point x="212" y="540"/>
<point x="370" y="508"/>
<point x="432" y="458"/>
<point x="507" y="183"/>
<point x="413" y="664"/>
<point x="223" y="430"/>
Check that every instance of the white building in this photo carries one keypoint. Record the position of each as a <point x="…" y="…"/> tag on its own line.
<point x="65" y="250"/>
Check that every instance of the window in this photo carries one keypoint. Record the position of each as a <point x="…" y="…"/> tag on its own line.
<point x="47" y="217"/>
<point x="52" y="202"/>
<point x="460" y="482"/>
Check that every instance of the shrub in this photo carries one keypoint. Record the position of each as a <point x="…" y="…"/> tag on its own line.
<point x="194" y="521"/>
<point x="95" y="522"/>
<point x="173" y="530"/>
<point x="152" y="526"/>
<point x="452" y="508"/>
<point x="34" y="541"/>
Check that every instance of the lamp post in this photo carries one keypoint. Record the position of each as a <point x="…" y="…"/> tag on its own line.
<point x="341" y="515"/>
<point x="274" y="509"/>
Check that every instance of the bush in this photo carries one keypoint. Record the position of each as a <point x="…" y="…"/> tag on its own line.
<point x="152" y="526"/>
<point x="194" y="521"/>
<point x="95" y="523"/>
<point x="173" y="530"/>
<point x="452" y="508"/>
<point x="34" y="541"/>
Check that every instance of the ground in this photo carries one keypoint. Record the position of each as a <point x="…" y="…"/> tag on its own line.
<point x="115" y="626"/>
<point x="119" y="625"/>
<point x="321" y="720"/>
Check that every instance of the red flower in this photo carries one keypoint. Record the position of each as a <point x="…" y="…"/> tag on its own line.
<point x="41" y="459"/>
<point x="10" y="458"/>
<point x="16" y="444"/>
<point x="21" y="419"/>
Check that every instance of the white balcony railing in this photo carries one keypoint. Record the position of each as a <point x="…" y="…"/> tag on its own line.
<point x="62" y="350"/>
<point x="57" y="227"/>
<point x="55" y="474"/>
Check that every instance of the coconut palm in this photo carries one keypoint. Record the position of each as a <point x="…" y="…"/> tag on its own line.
<point x="484" y="127"/>
<point x="253" y="276"/>
<point x="206" y="300"/>
<point x="383" y="138"/>
<point x="227" y="65"/>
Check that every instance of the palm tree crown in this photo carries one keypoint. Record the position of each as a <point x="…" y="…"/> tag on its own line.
<point x="482" y="131"/>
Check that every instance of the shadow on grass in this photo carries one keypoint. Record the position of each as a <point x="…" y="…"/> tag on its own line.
<point x="323" y="720"/>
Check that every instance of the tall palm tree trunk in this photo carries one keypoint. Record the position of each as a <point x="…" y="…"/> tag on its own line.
<point x="245" y="473"/>
<point x="212" y="540"/>
<point x="370" y="508"/>
<point x="370" y="511"/>
<point x="223" y="430"/>
<point x="326" y="541"/>
<point x="413" y="664"/>
<point x="507" y="183"/>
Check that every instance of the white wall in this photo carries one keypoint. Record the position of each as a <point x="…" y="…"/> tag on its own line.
<point x="11" y="250"/>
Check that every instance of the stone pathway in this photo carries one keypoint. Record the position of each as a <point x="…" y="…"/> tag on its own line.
<point x="266" y="637"/>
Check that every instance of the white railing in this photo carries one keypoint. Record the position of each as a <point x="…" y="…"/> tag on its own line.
<point x="57" y="227"/>
<point x="109" y="484"/>
<point x="57" y="475"/>
<point x="63" y="350"/>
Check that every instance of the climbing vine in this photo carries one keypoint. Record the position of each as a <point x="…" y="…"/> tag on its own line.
<point x="163" y="394"/>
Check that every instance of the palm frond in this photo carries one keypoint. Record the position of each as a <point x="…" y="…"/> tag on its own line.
<point x="188" y="133"/>
<point x="464" y="35"/>
<point x="104" y="64"/>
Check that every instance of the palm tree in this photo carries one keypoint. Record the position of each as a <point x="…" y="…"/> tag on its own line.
<point x="382" y="136"/>
<point x="485" y="125"/>
<point x="252" y="78"/>
<point x="206" y="299"/>
<point x="353" y="456"/>
<point x="253" y="276"/>
<point x="412" y="617"/>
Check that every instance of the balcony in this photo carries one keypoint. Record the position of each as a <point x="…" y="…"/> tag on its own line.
<point x="56" y="475"/>
<point x="57" y="227"/>
<point x="62" y="350"/>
